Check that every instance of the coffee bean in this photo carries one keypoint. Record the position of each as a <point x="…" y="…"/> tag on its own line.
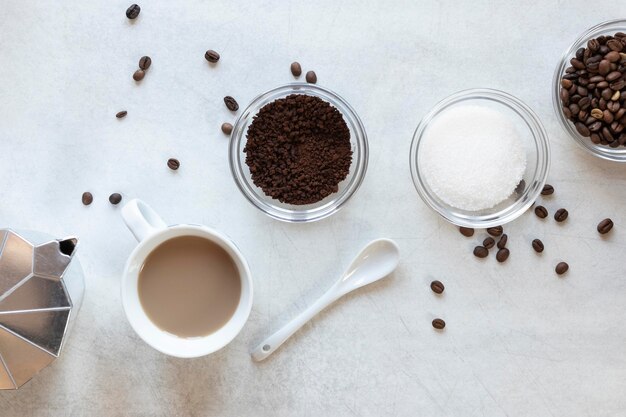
<point x="595" y="138"/>
<point x="618" y="86"/>
<point x="612" y="56"/>
<point x="605" y="226"/>
<point x="133" y="11"/>
<point x="495" y="231"/>
<point x="593" y="45"/>
<point x="231" y="103"/>
<point x="145" y="62"/>
<point x="541" y="212"/>
<point x="173" y="164"/>
<point x="582" y="129"/>
<point x="538" y="245"/>
<point x="296" y="69"/>
<point x="138" y="75"/>
<point x="547" y="190"/>
<point x="489" y="242"/>
<point x="615" y="45"/>
<point x="597" y="113"/>
<point x="606" y="94"/>
<point x="439" y="324"/>
<point x="561" y="215"/>
<point x="577" y="63"/>
<point x="115" y="198"/>
<point x="502" y="255"/>
<point x="211" y="56"/>
<point x="595" y="127"/>
<point x="481" y="252"/>
<point x="466" y="231"/>
<point x="561" y="268"/>
<point x="87" y="198"/>
<point x="616" y="96"/>
<point x="121" y="114"/>
<point x="311" y="77"/>
<point x="227" y="128"/>
<point x="604" y="67"/>
<point x="503" y="240"/>
<point x="437" y="287"/>
<point x="567" y="113"/>
<point x="613" y="76"/>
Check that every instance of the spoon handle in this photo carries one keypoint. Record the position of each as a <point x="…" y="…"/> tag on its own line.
<point x="269" y="345"/>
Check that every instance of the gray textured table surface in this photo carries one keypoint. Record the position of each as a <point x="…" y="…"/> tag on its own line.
<point x="519" y="340"/>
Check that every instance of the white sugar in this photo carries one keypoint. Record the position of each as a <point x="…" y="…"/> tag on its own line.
<point x="472" y="157"/>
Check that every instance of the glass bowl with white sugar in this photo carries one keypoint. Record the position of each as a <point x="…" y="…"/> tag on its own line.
<point x="480" y="158"/>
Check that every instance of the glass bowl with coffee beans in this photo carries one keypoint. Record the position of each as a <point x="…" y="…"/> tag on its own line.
<point x="589" y="93"/>
<point x="298" y="152"/>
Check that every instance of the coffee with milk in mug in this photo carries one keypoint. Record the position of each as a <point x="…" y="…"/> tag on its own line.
<point x="189" y="286"/>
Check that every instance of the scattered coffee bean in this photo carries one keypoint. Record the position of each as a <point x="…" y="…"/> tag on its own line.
<point x="437" y="287"/>
<point x="537" y="245"/>
<point x="121" y="114"/>
<point x="296" y="69"/>
<point x="211" y="56"/>
<point x="605" y="226"/>
<point x="547" y="190"/>
<point x="439" y="324"/>
<point x="561" y="268"/>
<point x="227" y="128"/>
<point x="115" y="198"/>
<point x="481" y="252"/>
<point x="173" y="164"/>
<point x="145" y="62"/>
<point x="311" y="77"/>
<point x="133" y="11"/>
<point x="495" y="231"/>
<point x="87" y="198"/>
<point x="489" y="242"/>
<point x="502" y="241"/>
<point x="502" y="255"/>
<point x="593" y="90"/>
<point x="231" y="103"/>
<point x="138" y="75"/>
<point x="561" y="215"/>
<point x="541" y="212"/>
<point x="466" y="231"/>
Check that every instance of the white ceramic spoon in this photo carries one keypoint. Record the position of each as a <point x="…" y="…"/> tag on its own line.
<point x="377" y="260"/>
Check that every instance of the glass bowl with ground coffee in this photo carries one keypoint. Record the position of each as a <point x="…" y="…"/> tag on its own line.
<point x="589" y="90"/>
<point x="298" y="152"/>
<point x="480" y="158"/>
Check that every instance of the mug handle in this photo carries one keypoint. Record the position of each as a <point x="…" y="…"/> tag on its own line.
<point x="141" y="219"/>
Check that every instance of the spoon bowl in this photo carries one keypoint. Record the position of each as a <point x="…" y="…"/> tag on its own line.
<point x="377" y="260"/>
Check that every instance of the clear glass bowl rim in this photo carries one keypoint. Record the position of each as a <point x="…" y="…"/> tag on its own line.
<point x="533" y="190"/>
<point x="359" y="163"/>
<point x="601" y="151"/>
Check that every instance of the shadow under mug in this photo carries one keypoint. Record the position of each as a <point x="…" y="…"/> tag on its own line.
<point x="151" y="231"/>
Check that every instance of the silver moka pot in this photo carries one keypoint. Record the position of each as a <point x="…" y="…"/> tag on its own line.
<point x="41" y="289"/>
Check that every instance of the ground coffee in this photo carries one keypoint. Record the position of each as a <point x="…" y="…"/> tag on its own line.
<point x="298" y="149"/>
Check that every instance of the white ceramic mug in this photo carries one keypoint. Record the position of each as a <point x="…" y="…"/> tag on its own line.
<point x="151" y="231"/>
